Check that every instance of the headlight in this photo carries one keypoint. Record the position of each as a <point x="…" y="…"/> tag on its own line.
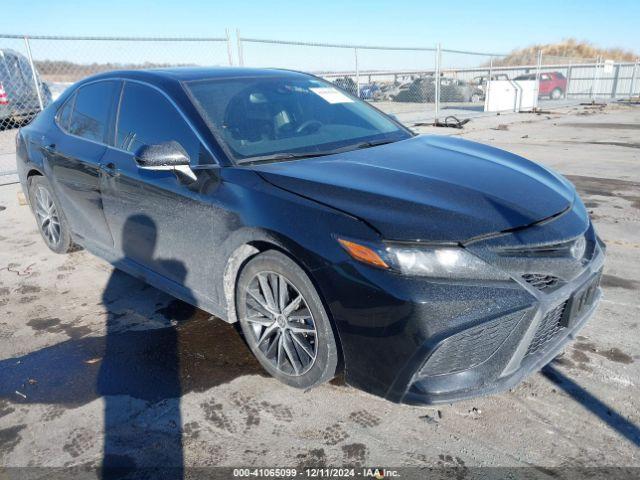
<point x="433" y="261"/>
<point x="442" y="262"/>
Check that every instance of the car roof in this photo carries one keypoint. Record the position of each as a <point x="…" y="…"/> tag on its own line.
<point x="9" y="51"/>
<point x="188" y="74"/>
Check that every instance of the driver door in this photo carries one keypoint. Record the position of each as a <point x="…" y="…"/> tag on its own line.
<point x="158" y="220"/>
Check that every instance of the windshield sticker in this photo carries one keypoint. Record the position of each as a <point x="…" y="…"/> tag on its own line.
<point x="331" y="95"/>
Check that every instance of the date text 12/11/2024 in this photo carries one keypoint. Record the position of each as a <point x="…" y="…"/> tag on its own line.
<point x="320" y="472"/>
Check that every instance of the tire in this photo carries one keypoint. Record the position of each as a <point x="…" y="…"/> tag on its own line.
<point x="555" y="94"/>
<point x="283" y="343"/>
<point x="52" y="223"/>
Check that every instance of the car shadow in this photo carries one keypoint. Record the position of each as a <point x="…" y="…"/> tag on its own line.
<point x="600" y="409"/>
<point x="148" y="358"/>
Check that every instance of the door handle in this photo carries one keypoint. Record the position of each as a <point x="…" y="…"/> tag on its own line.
<point x="109" y="169"/>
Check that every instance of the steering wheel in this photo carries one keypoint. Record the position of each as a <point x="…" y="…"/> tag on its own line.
<point x="309" y="123"/>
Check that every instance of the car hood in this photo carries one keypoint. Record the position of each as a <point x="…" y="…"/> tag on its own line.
<point x="430" y="188"/>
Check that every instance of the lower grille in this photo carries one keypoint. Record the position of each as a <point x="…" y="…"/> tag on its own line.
<point x="470" y="347"/>
<point x="549" y="327"/>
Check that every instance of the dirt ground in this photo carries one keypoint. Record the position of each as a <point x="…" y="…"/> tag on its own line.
<point x="167" y="385"/>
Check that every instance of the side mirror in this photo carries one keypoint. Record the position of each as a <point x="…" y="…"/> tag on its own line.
<point x="167" y="154"/>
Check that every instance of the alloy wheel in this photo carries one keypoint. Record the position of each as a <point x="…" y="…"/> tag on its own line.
<point x="283" y="327"/>
<point x="48" y="218"/>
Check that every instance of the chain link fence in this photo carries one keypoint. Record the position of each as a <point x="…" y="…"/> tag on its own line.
<point x="35" y="70"/>
<point x="387" y="76"/>
<point x="466" y="81"/>
<point x="426" y="85"/>
<point x="419" y="84"/>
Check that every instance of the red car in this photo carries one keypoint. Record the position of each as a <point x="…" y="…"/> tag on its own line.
<point x="552" y="84"/>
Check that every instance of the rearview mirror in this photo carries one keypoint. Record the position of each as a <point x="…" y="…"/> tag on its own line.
<point x="167" y="154"/>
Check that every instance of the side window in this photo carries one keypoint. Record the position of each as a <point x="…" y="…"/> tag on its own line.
<point x="25" y="70"/>
<point x="545" y="76"/>
<point x="146" y="117"/>
<point x="13" y="69"/>
<point x="64" y="115"/>
<point x="91" y="110"/>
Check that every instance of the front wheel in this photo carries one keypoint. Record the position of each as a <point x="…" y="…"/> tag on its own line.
<point x="556" y="94"/>
<point x="284" y="321"/>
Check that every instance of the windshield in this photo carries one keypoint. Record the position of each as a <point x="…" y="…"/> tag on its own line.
<point x="270" y="118"/>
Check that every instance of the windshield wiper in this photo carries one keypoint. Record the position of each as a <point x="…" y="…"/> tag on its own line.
<point x="295" y="156"/>
<point x="283" y="156"/>
<point x="373" y="143"/>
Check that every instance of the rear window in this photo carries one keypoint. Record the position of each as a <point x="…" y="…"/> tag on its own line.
<point x="4" y="73"/>
<point x="91" y="110"/>
<point x="9" y="67"/>
<point x="64" y="115"/>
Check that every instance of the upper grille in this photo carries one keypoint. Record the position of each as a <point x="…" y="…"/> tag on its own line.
<point x="541" y="281"/>
<point x="550" y="325"/>
<point x="563" y="249"/>
<point x="471" y="347"/>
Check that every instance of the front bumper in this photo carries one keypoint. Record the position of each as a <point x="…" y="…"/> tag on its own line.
<point x="539" y="335"/>
<point x="423" y="341"/>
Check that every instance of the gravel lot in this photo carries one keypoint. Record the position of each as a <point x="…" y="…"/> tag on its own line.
<point x="168" y="385"/>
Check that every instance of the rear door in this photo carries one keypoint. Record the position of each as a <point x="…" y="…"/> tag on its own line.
<point x="75" y="156"/>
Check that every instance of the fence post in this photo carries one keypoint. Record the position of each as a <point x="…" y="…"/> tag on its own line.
<point x="355" y="55"/>
<point x="633" y="79"/>
<point x="569" y="74"/>
<point x="616" y="76"/>
<point x="537" y="88"/>
<point x="240" y="52"/>
<point x="486" y="95"/>
<point x="595" y="76"/>
<point x="229" y="51"/>
<point x="34" y="75"/>
<point x="437" y="83"/>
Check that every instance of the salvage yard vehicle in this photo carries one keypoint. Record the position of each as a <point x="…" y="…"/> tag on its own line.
<point x="455" y="90"/>
<point x="371" y="91"/>
<point x="347" y="84"/>
<point x="18" y="95"/>
<point x="428" y="268"/>
<point x="481" y="80"/>
<point x="551" y="84"/>
<point x="420" y="90"/>
<point x="480" y="84"/>
<point x="423" y="90"/>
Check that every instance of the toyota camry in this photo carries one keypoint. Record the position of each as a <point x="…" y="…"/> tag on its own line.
<point x="426" y="268"/>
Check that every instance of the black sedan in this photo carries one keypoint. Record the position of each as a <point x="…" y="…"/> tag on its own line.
<point x="428" y="268"/>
